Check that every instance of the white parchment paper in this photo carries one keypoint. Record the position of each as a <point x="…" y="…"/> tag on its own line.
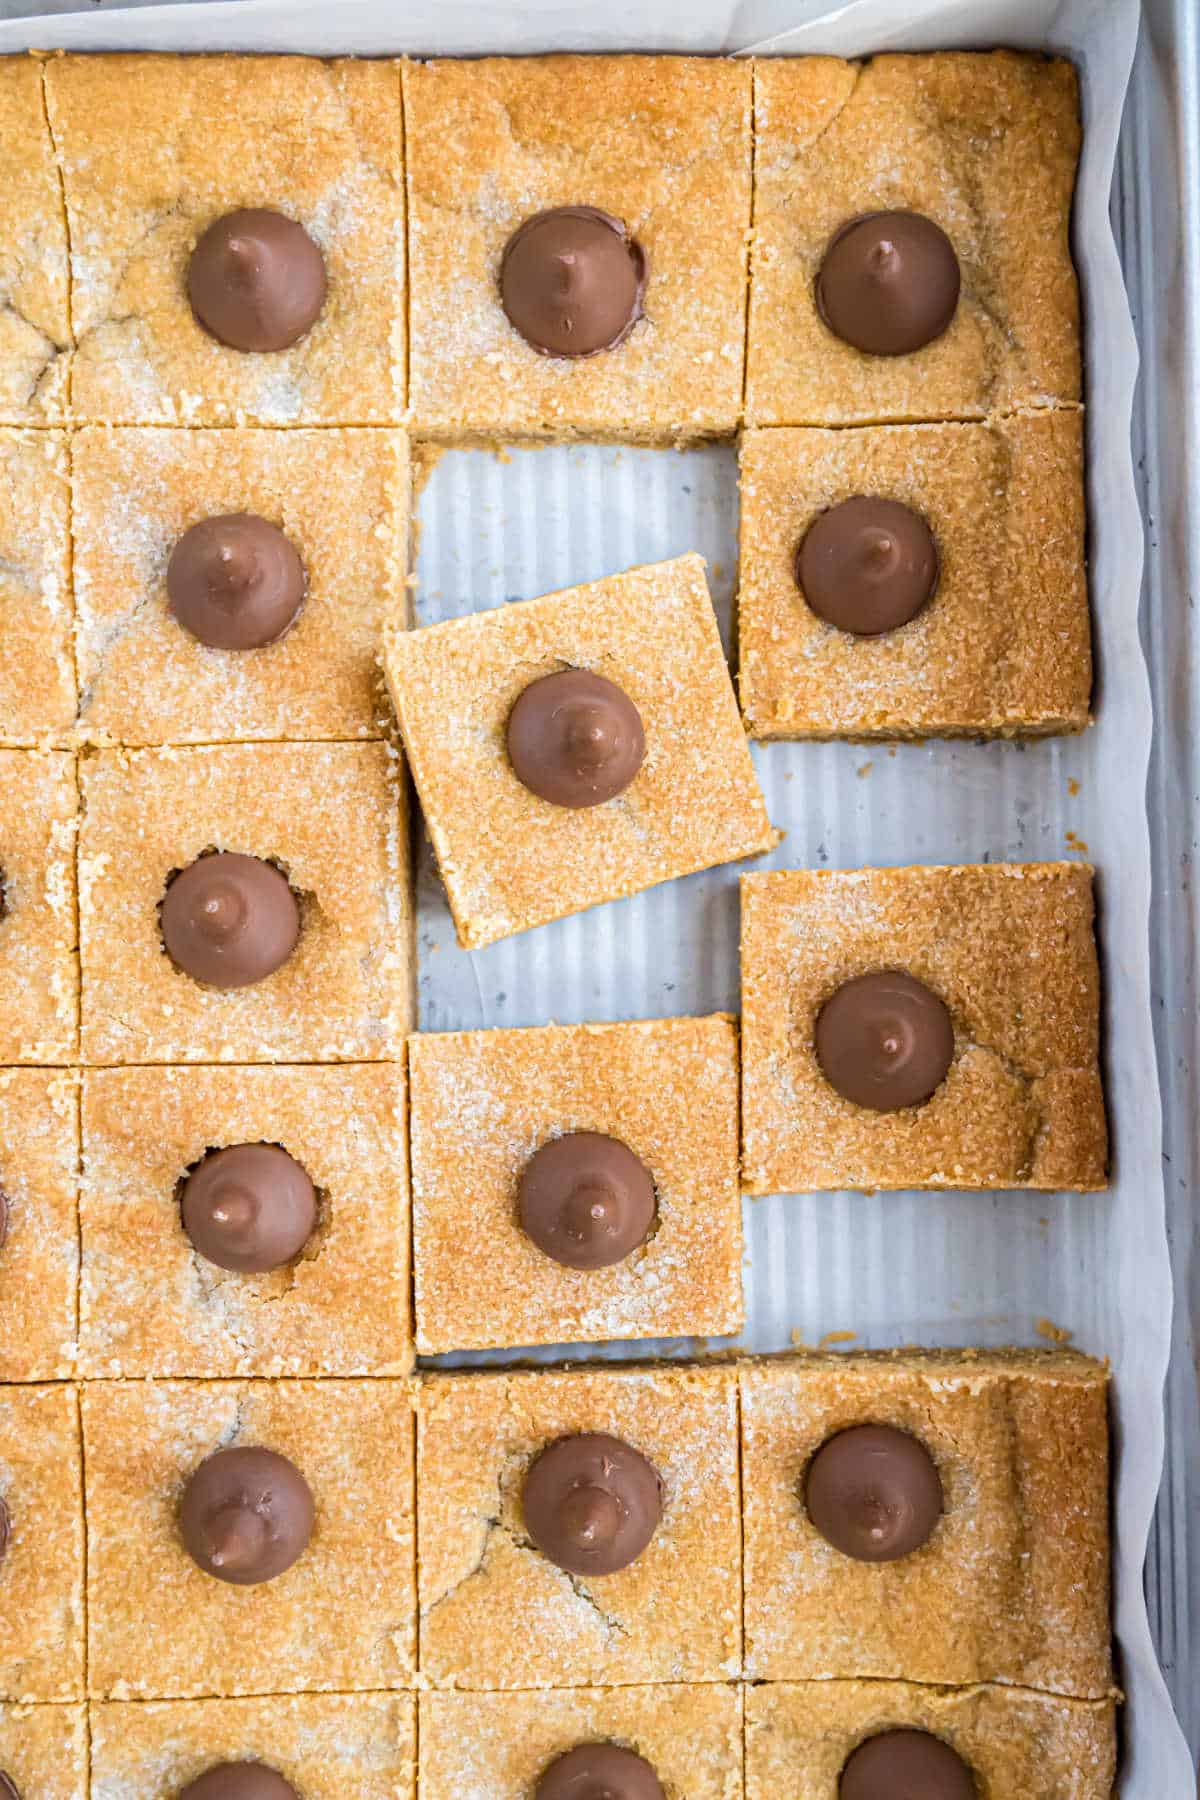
<point x="891" y="1268"/>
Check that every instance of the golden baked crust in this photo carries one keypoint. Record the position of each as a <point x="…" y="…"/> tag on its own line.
<point x="319" y="141"/>
<point x="37" y="672"/>
<point x="987" y="145"/>
<point x="1005" y="644"/>
<point x="151" y="1305"/>
<point x="494" y="1613"/>
<point x="1022" y="1746"/>
<point x="39" y="1261"/>
<point x="45" y="1750"/>
<point x="328" y="1746"/>
<point x="483" y="1101"/>
<point x="1013" y="1584"/>
<point x="695" y="801"/>
<point x="660" y="142"/>
<point x="41" y="1578"/>
<point x="39" y="963"/>
<point x="340" y="1618"/>
<point x="334" y="815"/>
<point x="341" y="497"/>
<point x="35" y="328"/>
<point x="1010" y="949"/>
<point x="494" y="1746"/>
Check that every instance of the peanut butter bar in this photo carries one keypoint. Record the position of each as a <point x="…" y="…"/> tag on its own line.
<point x="496" y="1746"/>
<point x="153" y="1303"/>
<point x="1011" y="1583"/>
<point x="39" y="962"/>
<point x="332" y="817"/>
<point x="1003" y="646"/>
<point x="326" y="1745"/>
<point x="647" y="640"/>
<point x="339" y="1618"/>
<point x="316" y="142"/>
<point x="44" y="1750"/>
<point x="485" y="1103"/>
<point x="340" y="499"/>
<point x="1006" y="954"/>
<point x="659" y="147"/>
<point x="39" y="1227"/>
<point x="1018" y="1744"/>
<point x="35" y="329"/>
<point x="41" y="1530"/>
<point x="985" y="146"/>
<point x="37" y="680"/>
<point x="496" y="1611"/>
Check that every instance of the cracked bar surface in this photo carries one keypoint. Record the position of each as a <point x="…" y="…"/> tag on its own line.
<point x="660" y="143"/>
<point x="494" y="1613"/>
<point x="334" y="818"/>
<point x="484" y="1101"/>
<point x="987" y="146"/>
<point x="37" y="672"/>
<point x="39" y="962"/>
<point x="341" y="499"/>
<point x="495" y="1746"/>
<point x="35" y="330"/>
<point x="1012" y="1585"/>
<point x="152" y="1305"/>
<point x="1020" y="1744"/>
<point x="327" y="1746"/>
<point x="317" y="141"/>
<point x="41" y="1577"/>
<point x="39" y="1258"/>
<point x="341" y="1618"/>
<point x="1003" y="647"/>
<point x="1009" y="947"/>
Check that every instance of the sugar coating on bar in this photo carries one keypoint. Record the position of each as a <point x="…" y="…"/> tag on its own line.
<point x="495" y="1613"/>
<point x="37" y="675"/>
<point x="660" y="143"/>
<point x="986" y="146"/>
<point x="1008" y="947"/>
<point x="1003" y="647"/>
<point x="39" y="962"/>
<point x="484" y="1101"/>
<point x="39" y="1257"/>
<point x="1011" y="1586"/>
<point x="340" y="1619"/>
<point x="41" y="1575"/>
<point x="44" y="1750"/>
<point x="510" y="860"/>
<point x="151" y="1304"/>
<point x="319" y="142"/>
<point x="35" y="329"/>
<point x="341" y="500"/>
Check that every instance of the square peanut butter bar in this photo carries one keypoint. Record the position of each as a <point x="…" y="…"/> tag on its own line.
<point x="974" y="1018"/>
<point x="497" y="1746"/>
<point x="509" y="856"/>
<point x="331" y="819"/>
<point x="655" y="152"/>
<point x="155" y="661"/>
<point x="984" y="146"/>
<point x="1003" y="644"/>
<point x="35" y="315"/>
<point x="506" y="1461"/>
<point x="44" y="1750"/>
<point x="493" y="1229"/>
<point x="328" y="1746"/>
<point x="339" y="1618"/>
<point x="318" y="143"/>
<point x="325" y="1184"/>
<point x="1004" y="1575"/>
<point x="799" y="1739"/>
<point x="41" y="1525"/>
<point x="39" y="1225"/>
<point x="37" y="678"/>
<point x="39" y="962"/>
